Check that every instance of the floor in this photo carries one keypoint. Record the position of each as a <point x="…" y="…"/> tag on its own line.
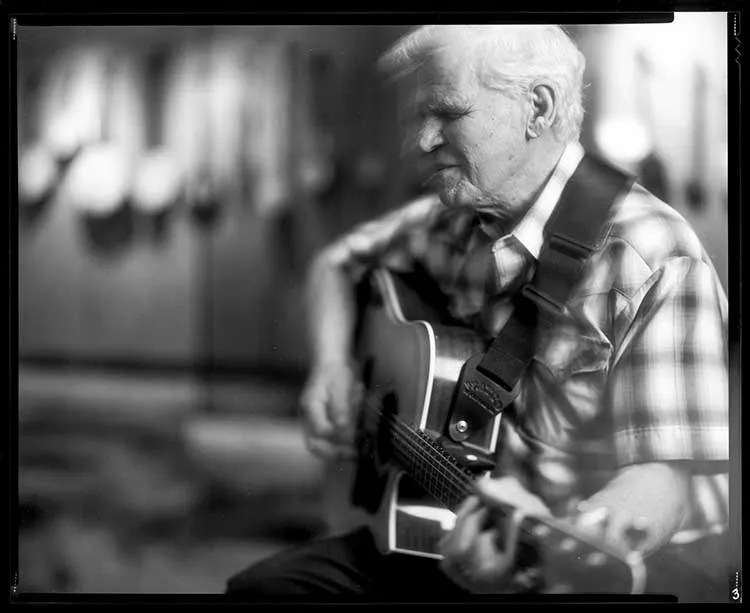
<point x="142" y="494"/>
<point x="69" y="556"/>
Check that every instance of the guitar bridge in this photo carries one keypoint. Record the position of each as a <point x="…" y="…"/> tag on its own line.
<point x="472" y="459"/>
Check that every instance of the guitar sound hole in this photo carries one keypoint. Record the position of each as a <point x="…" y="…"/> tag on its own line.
<point x="367" y="370"/>
<point x="390" y="404"/>
<point x="385" y="431"/>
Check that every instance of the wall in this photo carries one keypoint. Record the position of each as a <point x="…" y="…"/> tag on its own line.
<point x="622" y="93"/>
<point x="136" y="475"/>
<point x="228" y="295"/>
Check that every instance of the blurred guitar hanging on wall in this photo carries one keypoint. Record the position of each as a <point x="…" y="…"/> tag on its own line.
<point x="205" y="197"/>
<point x="60" y="118"/>
<point x="695" y="191"/>
<point x="53" y="134"/>
<point x="412" y="475"/>
<point x="157" y="182"/>
<point x="99" y="180"/>
<point x="38" y="168"/>
<point x="651" y="171"/>
<point x="99" y="177"/>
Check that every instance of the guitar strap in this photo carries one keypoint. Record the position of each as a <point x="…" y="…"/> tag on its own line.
<point x="576" y="229"/>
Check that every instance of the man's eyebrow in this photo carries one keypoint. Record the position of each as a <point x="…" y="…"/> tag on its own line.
<point x="438" y="101"/>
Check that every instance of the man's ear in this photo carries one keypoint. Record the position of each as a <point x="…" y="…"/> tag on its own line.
<point x="543" y="101"/>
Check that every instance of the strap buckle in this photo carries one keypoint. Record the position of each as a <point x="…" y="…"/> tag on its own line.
<point x="478" y="399"/>
<point x="570" y="246"/>
<point x="545" y="303"/>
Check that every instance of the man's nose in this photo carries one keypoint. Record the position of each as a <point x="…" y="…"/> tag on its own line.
<point x="430" y="134"/>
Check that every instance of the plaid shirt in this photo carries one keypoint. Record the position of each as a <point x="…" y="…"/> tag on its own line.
<point x="637" y="373"/>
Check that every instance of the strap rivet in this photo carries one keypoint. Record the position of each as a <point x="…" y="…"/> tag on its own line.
<point x="462" y="426"/>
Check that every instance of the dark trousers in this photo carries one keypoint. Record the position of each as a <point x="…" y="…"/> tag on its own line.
<point x="348" y="565"/>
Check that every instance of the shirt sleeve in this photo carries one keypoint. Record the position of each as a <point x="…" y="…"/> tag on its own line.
<point x="396" y="240"/>
<point x="669" y="382"/>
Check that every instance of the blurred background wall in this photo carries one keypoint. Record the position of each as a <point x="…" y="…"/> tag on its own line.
<point x="174" y="182"/>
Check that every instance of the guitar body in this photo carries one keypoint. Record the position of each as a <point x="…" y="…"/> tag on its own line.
<point x="411" y="475"/>
<point x="413" y="366"/>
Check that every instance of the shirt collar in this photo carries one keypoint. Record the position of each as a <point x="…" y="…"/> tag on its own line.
<point x="529" y="232"/>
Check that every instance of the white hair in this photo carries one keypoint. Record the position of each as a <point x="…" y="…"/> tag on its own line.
<point x="508" y="58"/>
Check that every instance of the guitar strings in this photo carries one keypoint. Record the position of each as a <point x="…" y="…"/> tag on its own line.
<point x="460" y="486"/>
<point x="460" y="480"/>
<point x="411" y="437"/>
<point x="455" y="477"/>
<point x="457" y="480"/>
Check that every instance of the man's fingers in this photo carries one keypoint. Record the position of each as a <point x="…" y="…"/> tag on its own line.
<point x="321" y="447"/>
<point x="317" y="421"/>
<point x="346" y="414"/>
<point x="330" y="451"/>
<point x="473" y="559"/>
<point x="616" y="530"/>
<point x="492" y="562"/>
<point x="448" y="543"/>
<point x="509" y="491"/>
<point x="461" y="539"/>
<point x="467" y="506"/>
<point x="343" y="400"/>
<point x="326" y="406"/>
<point x="593" y="521"/>
<point x="614" y="525"/>
<point x="339" y="410"/>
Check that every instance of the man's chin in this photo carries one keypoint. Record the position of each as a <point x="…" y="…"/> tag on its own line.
<point x="454" y="199"/>
<point x="453" y="193"/>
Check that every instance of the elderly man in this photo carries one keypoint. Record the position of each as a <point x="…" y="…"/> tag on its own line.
<point x="621" y="417"/>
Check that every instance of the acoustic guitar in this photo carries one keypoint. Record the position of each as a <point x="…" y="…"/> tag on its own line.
<point x="411" y="477"/>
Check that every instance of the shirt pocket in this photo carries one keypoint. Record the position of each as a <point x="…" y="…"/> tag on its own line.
<point x="567" y="349"/>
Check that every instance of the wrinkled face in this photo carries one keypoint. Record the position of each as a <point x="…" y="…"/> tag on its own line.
<point x="472" y="139"/>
